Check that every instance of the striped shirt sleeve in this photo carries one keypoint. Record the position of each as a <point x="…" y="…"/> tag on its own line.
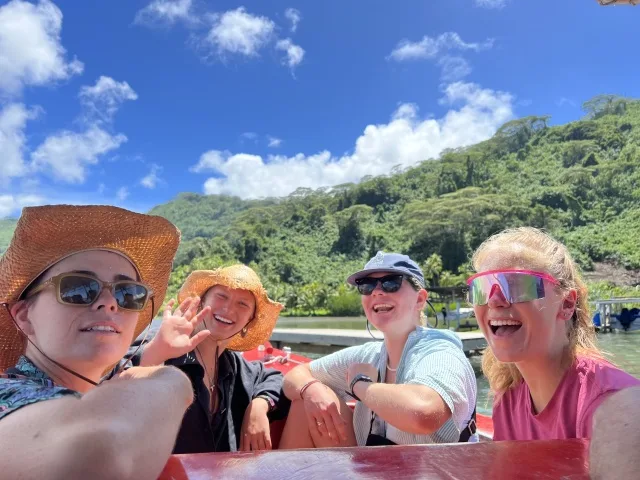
<point x="332" y="369"/>
<point x="451" y="375"/>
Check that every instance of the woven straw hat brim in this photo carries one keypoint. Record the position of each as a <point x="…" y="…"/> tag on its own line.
<point x="45" y="235"/>
<point x="238" y="277"/>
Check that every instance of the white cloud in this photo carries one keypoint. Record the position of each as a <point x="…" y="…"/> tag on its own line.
<point x="430" y="47"/>
<point x="497" y="4"/>
<point x="30" y="48"/>
<point x="13" y="120"/>
<point x="454" y="68"/>
<point x="10" y="204"/>
<point x="104" y="98"/>
<point x="240" y="33"/>
<point x="565" y="101"/>
<point x="211" y="160"/>
<point x="122" y="193"/>
<point x="475" y="115"/>
<point x="273" y="142"/>
<point x="294" y="17"/>
<point x="249" y="136"/>
<point x="166" y="13"/>
<point x="151" y="180"/>
<point x="67" y="154"/>
<point x="295" y="53"/>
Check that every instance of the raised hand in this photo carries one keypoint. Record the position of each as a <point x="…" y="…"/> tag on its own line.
<point x="175" y="336"/>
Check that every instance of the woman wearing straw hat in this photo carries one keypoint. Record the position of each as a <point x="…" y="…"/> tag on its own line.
<point x="77" y="284"/>
<point x="414" y="387"/>
<point x="234" y="398"/>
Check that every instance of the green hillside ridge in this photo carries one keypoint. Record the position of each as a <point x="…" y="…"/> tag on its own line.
<point x="580" y="181"/>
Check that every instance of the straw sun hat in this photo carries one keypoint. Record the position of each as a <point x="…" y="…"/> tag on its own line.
<point x="45" y="235"/>
<point x="238" y="277"/>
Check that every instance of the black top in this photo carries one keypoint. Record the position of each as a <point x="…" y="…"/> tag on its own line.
<point x="239" y="382"/>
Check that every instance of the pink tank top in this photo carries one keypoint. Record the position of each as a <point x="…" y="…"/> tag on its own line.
<point x="569" y="413"/>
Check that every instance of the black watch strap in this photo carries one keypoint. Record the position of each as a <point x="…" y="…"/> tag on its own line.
<point x="358" y="378"/>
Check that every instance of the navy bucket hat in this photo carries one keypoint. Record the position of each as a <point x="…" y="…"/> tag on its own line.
<point x="389" y="263"/>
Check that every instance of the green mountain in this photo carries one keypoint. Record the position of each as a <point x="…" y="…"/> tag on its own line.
<point x="580" y="181"/>
<point x="7" y="226"/>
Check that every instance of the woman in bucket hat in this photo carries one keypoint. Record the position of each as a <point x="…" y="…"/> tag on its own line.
<point x="414" y="387"/>
<point x="235" y="399"/>
<point x="77" y="283"/>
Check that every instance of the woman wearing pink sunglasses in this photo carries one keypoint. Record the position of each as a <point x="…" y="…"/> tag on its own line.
<point x="543" y="363"/>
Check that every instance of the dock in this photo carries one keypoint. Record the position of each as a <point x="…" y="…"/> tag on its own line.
<point x="325" y="340"/>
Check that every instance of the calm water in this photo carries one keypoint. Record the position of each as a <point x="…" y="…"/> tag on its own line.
<point x="624" y="348"/>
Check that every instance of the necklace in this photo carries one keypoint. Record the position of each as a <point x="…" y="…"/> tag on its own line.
<point x="391" y="369"/>
<point x="212" y="384"/>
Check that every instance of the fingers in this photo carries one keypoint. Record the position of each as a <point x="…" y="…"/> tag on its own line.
<point x="332" y="431"/>
<point x="339" y="424"/>
<point x="267" y="441"/>
<point x="199" y="337"/>
<point x="244" y="445"/>
<point x="184" y="306"/>
<point x="201" y="316"/>
<point x="167" y="309"/>
<point x="192" y="309"/>
<point x="259" y="443"/>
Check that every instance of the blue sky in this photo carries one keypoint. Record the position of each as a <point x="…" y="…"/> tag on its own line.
<point x="130" y="102"/>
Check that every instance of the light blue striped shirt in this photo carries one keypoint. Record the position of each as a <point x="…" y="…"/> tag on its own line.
<point x="431" y="357"/>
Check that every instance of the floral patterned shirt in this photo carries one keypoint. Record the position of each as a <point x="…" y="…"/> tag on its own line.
<point x="26" y="384"/>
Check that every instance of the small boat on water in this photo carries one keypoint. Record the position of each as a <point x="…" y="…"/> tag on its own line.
<point x="617" y="315"/>
<point x="540" y="460"/>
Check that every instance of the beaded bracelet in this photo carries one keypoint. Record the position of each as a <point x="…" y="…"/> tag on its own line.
<point x="307" y="385"/>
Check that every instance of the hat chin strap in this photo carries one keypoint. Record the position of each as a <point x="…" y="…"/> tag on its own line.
<point x="66" y="369"/>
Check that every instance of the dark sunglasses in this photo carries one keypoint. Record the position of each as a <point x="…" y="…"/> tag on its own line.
<point x="389" y="284"/>
<point x="81" y="290"/>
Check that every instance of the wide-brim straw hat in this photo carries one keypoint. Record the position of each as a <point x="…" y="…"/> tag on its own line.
<point x="238" y="277"/>
<point x="45" y="235"/>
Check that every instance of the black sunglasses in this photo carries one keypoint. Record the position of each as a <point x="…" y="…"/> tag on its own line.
<point x="81" y="290"/>
<point x="389" y="284"/>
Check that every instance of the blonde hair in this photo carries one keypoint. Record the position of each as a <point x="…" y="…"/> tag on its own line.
<point x="528" y="247"/>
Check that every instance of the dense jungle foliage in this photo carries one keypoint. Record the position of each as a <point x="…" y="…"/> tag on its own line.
<point x="580" y="181"/>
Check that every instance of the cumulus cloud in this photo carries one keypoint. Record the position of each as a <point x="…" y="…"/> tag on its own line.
<point x="12" y="203"/>
<point x="431" y="47"/>
<point x="273" y="142"/>
<point x="294" y="53"/>
<point x="237" y="32"/>
<point x="30" y="48"/>
<point x="454" y="68"/>
<point x="294" y="17"/>
<point x="67" y="155"/>
<point x="103" y="100"/>
<point x="167" y="13"/>
<point x="151" y="180"/>
<point x="474" y="115"/>
<point x="13" y="121"/>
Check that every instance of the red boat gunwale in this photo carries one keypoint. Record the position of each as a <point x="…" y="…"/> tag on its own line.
<point x="539" y="460"/>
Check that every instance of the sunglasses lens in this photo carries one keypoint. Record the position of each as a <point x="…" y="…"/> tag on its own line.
<point x="131" y="296"/>
<point x="515" y="288"/>
<point x="366" y="286"/>
<point x="78" y="290"/>
<point x="390" y="284"/>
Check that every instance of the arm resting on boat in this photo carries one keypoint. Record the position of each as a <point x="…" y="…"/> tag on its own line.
<point x="124" y="428"/>
<point x="414" y="409"/>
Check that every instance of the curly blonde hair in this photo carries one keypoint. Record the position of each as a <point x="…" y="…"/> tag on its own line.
<point x="527" y="247"/>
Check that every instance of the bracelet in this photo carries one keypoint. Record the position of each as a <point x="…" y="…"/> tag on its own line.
<point x="307" y="385"/>
<point x="270" y="402"/>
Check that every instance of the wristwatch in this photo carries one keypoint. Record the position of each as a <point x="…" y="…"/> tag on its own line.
<point x="358" y="378"/>
<point x="269" y="400"/>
